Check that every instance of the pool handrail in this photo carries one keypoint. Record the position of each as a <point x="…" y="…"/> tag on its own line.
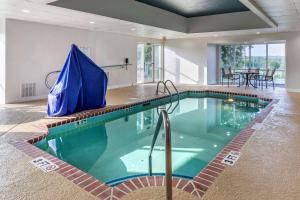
<point x="169" y="81"/>
<point x="177" y="94"/>
<point x="165" y="87"/>
<point x="171" y="95"/>
<point x="164" y="92"/>
<point x="164" y="118"/>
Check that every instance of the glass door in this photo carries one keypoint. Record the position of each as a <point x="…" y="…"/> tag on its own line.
<point x="149" y="66"/>
<point x="157" y="64"/>
<point x="148" y="63"/>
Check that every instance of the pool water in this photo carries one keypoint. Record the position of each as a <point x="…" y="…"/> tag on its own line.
<point x="113" y="150"/>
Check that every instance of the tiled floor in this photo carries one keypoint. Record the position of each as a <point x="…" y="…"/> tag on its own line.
<point x="268" y="168"/>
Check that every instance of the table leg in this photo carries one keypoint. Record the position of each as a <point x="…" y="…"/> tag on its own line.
<point x="247" y="80"/>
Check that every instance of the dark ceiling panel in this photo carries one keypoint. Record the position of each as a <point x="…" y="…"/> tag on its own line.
<point x="195" y="8"/>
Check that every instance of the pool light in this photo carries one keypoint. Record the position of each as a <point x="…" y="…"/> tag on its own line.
<point x="229" y="100"/>
<point x="215" y="146"/>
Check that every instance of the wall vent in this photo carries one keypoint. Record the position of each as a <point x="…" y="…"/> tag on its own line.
<point x="28" y="90"/>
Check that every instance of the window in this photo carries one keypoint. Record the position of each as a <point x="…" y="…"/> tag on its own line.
<point x="262" y="56"/>
<point x="242" y="57"/>
<point x="276" y="56"/>
<point x="276" y="59"/>
<point x="235" y="56"/>
<point x="258" y="56"/>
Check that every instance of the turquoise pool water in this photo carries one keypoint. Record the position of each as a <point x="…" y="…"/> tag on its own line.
<point x="115" y="148"/>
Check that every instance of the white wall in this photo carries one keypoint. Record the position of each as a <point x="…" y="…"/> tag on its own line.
<point x="195" y="50"/>
<point x="113" y="49"/>
<point x="2" y="60"/>
<point x="35" y="49"/>
<point x="185" y="61"/>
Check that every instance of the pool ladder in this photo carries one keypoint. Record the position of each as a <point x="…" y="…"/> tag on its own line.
<point x="164" y="118"/>
<point x="167" y="90"/>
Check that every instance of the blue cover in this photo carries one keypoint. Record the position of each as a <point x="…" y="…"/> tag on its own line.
<point x="81" y="85"/>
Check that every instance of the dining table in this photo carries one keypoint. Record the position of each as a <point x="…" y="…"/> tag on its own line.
<point x="247" y="76"/>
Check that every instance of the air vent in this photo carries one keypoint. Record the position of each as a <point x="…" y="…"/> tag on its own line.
<point x="28" y="90"/>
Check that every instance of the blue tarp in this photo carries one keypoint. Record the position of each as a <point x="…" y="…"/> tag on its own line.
<point x="81" y="85"/>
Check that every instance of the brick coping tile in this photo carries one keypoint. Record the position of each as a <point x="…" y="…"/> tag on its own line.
<point x="196" y="186"/>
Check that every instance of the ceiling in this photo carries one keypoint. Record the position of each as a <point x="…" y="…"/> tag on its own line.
<point x="284" y="12"/>
<point x="196" y="8"/>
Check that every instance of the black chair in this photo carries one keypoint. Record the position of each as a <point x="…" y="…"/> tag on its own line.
<point x="254" y="77"/>
<point x="227" y="74"/>
<point x="268" y="77"/>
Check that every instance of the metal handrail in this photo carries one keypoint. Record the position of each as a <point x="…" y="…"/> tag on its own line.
<point x="167" y="89"/>
<point x="163" y="117"/>
<point x="169" y="81"/>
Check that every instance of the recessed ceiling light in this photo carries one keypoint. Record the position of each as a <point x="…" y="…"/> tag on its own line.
<point x="216" y="35"/>
<point x="257" y="33"/>
<point x="26" y="11"/>
<point x="133" y="29"/>
<point x="92" y="22"/>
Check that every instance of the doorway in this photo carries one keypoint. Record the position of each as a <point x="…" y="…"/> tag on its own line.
<point x="149" y="63"/>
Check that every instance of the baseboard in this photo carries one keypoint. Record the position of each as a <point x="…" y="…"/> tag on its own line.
<point x="120" y="86"/>
<point x="45" y="96"/>
<point x="26" y="99"/>
<point x="293" y="90"/>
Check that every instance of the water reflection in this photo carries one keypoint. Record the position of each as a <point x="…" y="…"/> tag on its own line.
<point x="78" y="149"/>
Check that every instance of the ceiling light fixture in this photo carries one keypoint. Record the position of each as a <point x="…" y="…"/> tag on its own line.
<point x="133" y="29"/>
<point x="216" y="35"/>
<point x="92" y="22"/>
<point x="26" y="11"/>
<point x="257" y="33"/>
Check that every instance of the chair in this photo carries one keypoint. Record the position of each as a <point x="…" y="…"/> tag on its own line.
<point x="255" y="76"/>
<point x="268" y="77"/>
<point x="227" y="74"/>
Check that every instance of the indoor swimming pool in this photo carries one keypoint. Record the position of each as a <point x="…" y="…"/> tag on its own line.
<point x="114" y="147"/>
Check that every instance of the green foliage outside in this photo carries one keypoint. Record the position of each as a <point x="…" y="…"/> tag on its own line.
<point x="235" y="56"/>
<point x="148" y="53"/>
<point x="275" y="65"/>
